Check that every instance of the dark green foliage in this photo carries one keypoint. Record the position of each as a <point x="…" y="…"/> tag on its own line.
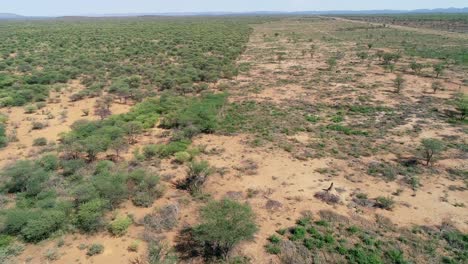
<point x="112" y="187"/>
<point x="352" y="244"/>
<point x="458" y="242"/>
<point x="461" y="104"/>
<point x="126" y="49"/>
<point x="298" y="233"/>
<point x="26" y="177"/>
<point x="346" y="130"/>
<point x="165" y="150"/>
<point x="49" y="162"/>
<point x="224" y="224"/>
<point x="31" y="224"/>
<point x="42" y="227"/>
<point x="193" y="115"/>
<point x="145" y="188"/>
<point x="70" y="167"/>
<point x="3" y="138"/>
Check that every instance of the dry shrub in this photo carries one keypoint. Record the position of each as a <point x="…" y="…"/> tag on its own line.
<point x="292" y="253"/>
<point x="248" y="166"/>
<point x="164" y="219"/>
<point x="327" y="197"/>
<point x="333" y="217"/>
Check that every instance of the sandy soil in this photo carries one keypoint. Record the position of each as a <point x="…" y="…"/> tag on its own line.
<point x="58" y="114"/>
<point x="277" y="185"/>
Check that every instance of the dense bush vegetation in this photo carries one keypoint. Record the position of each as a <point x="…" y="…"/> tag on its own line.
<point x="129" y="57"/>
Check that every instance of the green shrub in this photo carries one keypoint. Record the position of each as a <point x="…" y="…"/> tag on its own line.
<point x="273" y="249"/>
<point x="38" y="125"/>
<point x="70" y="167"/>
<point x="103" y="166"/>
<point x="274" y="239"/>
<point x="164" y="151"/>
<point x="119" y="226"/>
<point x="42" y="227"/>
<point x="461" y="104"/>
<point x="298" y="233"/>
<point x="49" y="162"/>
<point x="145" y="189"/>
<point x="111" y="187"/>
<point x="182" y="157"/>
<point x="133" y="247"/>
<point x="385" y="202"/>
<point x="6" y="240"/>
<point x="198" y="173"/>
<point x="29" y="109"/>
<point x="25" y="176"/>
<point x="89" y="217"/>
<point x="95" y="249"/>
<point x="224" y="224"/>
<point x="16" y="219"/>
<point x="42" y="141"/>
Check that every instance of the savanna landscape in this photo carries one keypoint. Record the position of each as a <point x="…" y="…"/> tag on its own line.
<point x="237" y="139"/>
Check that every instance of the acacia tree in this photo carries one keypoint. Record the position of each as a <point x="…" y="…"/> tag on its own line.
<point x="224" y="224"/>
<point x="430" y="148"/>
<point x="416" y="67"/>
<point x="118" y="145"/>
<point x="438" y="69"/>
<point x="132" y="129"/>
<point x="399" y="83"/>
<point x="102" y="107"/>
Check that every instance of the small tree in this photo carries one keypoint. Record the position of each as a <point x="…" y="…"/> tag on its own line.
<point x="436" y="86"/>
<point x="197" y="174"/>
<point x="430" y="148"/>
<point x="331" y="63"/>
<point x="461" y="104"/>
<point x="102" y="111"/>
<point x="132" y="129"/>
<point x="119" y="145"/>
<point x="224" y="224"/>
<point x="438" y="69"/>
<point x="399" y="83"/>
<point x="416" y="67"/>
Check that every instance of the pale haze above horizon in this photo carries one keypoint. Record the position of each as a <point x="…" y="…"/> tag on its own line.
<point x="94" y="7"/>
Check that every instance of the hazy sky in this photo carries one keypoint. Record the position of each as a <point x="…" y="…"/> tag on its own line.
<point x="83" y="7"/>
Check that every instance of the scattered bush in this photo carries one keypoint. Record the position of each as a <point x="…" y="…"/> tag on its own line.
<point x="38" y="125"/>
<point x="164" y="219"/>
<point x="95" y="249"/>
<point x="119" y="226"/>
<point x="399" y="83"/>
<point x="40" y="141"/>
<point x="436" y="86"/>
<point x="198" y="173"/>
<point x="327" y="197"/>
<point x="430" y="148"/>
<point x="145" y="188"/>
<point x="386" y="203"/>
<point x="90" y="216"/>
